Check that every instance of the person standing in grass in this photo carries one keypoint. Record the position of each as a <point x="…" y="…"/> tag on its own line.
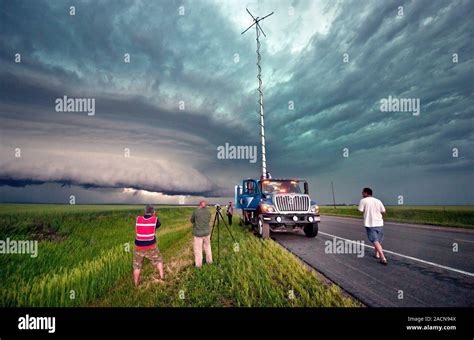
<point x="230" y="212"/>
<point x="200" y="219"/>
<point x="145" y="243"/>
<point x="373" y="221"/>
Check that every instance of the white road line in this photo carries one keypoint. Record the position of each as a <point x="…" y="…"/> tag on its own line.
<point x="408" y="257"/>
<point x="463" y="230"/>
<point x="460" y="239"/>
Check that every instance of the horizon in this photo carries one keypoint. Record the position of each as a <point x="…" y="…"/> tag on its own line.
<point x="214" y="203"/>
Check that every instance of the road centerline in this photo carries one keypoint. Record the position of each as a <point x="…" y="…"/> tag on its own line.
<point x="408" y="257"/>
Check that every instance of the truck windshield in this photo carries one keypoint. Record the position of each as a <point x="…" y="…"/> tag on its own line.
<point x="276" y="187"/>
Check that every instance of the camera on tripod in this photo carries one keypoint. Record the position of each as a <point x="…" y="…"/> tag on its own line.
<point x="216" y="225"/>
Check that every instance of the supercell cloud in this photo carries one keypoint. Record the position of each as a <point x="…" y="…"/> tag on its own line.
<point x="104" y="170"/>
<point x="172" y="81"/>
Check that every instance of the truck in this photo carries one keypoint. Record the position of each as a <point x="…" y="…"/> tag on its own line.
<point x="274" y="204"/>
<point x="271" y="205"/>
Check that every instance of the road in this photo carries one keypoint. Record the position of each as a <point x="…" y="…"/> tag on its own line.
<point x="424" y="268"/>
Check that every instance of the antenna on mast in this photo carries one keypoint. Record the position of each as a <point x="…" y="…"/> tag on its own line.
<point x="259" y="29"/>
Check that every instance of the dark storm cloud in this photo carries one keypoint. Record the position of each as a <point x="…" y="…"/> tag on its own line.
<point x="338" y="104"/>
<point x="106" y="170"/>
<point x="191" y="58"/>
<point x="74" y="59"/>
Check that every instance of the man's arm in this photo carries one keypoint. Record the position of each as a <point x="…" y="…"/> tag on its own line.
<point x="361" y="206"/>
<point x="382" y="208"/>
<point x="158" y="223"/>
<point x="193" y="218"/>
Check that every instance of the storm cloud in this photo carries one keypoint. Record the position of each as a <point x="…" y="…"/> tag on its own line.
<point x="190" y="87"/>
<point x="104" y="170"/>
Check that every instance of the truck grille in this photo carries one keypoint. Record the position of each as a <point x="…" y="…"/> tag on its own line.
<point x="292" y="203"/>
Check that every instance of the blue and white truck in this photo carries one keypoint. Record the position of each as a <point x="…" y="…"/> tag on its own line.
<point x="277" y="205"/>
<point x="274" y="204"/>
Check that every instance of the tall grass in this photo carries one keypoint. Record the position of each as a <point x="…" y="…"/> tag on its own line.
<point x="83" y="261"/>
<point x="453" y="216"/>
<point x="85" y="255"/>
<point x="260" y="274"/>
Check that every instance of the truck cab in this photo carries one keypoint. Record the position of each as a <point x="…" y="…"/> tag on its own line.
<point x="277" y="205"/>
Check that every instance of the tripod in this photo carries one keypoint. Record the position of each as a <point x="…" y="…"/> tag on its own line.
<point x="216" y="222"/>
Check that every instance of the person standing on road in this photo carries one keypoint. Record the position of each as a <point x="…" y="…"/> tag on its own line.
<point x="373" y="221"/>
<point x="200" y="219"/>
<point x="230" y="212"/>
<point x="145" y="243"/>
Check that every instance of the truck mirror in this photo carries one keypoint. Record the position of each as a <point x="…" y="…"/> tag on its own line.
<point x="306" y="189"/>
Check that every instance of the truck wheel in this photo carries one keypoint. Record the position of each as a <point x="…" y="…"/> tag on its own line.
<point x="311" y="230"/>
<point x="263" y="228"/>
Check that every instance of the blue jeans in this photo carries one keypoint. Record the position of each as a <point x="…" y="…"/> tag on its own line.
<point x="375" y="234"/>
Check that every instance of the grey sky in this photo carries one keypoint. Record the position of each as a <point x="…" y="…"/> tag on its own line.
<point x="316" y="104"/>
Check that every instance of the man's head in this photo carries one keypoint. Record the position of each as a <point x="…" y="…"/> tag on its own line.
<point x="149" y="209"/>
<point x="230" y="203"/>
<point x="202" y="204"/>
<point x="366" y="192"/>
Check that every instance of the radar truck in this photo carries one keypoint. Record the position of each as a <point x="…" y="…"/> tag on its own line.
<point x="274" y="204"/>
<point x="277" y="205"/>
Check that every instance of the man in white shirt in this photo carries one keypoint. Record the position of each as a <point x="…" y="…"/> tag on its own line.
<point x="373" y="221"/>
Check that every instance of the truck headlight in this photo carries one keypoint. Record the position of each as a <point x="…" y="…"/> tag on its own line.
<point x="315" y="209"/>
<point x="268" y="208"/>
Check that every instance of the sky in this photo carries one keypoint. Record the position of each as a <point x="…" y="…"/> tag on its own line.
<point x="172" y="81"/>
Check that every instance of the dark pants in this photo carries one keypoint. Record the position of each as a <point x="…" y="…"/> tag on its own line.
<point x="230" y="219"/>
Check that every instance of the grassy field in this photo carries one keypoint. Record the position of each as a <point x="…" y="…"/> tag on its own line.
<point x="85" y="254"/>
<point x="453" y="216"/>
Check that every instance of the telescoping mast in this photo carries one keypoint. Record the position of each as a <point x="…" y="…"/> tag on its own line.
<point x="258" y="30"/>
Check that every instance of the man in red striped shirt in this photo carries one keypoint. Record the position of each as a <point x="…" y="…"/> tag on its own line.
<point x="145" y="243"/>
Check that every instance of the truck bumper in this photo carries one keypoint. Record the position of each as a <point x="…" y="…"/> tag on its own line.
<point x="291" y="220"/>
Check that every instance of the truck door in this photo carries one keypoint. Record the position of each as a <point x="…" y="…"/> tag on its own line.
<point x="250" y="194"/>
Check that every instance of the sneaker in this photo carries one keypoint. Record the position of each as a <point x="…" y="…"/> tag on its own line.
<point x="384" y="262"/>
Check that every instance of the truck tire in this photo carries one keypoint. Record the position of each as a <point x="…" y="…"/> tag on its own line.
<point x="263" y="228"/>
<point x="311" y="230"/>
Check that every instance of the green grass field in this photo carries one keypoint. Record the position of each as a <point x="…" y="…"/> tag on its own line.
<point x="452" y="216"/>
<point x="85" y="257"/>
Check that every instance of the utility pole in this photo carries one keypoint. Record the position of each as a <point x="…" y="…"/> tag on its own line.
<point x="259" y="29"/>
<point x="333" y="196"/>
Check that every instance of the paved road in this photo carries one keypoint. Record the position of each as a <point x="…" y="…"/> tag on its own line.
<point x="424" y="272"/>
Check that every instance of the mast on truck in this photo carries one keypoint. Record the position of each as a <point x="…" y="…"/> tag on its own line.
<point x="258" y="30"/>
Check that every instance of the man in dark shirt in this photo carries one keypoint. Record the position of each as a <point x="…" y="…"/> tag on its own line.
<point x="201" y="234"/>
<point x="230" y="212"/>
